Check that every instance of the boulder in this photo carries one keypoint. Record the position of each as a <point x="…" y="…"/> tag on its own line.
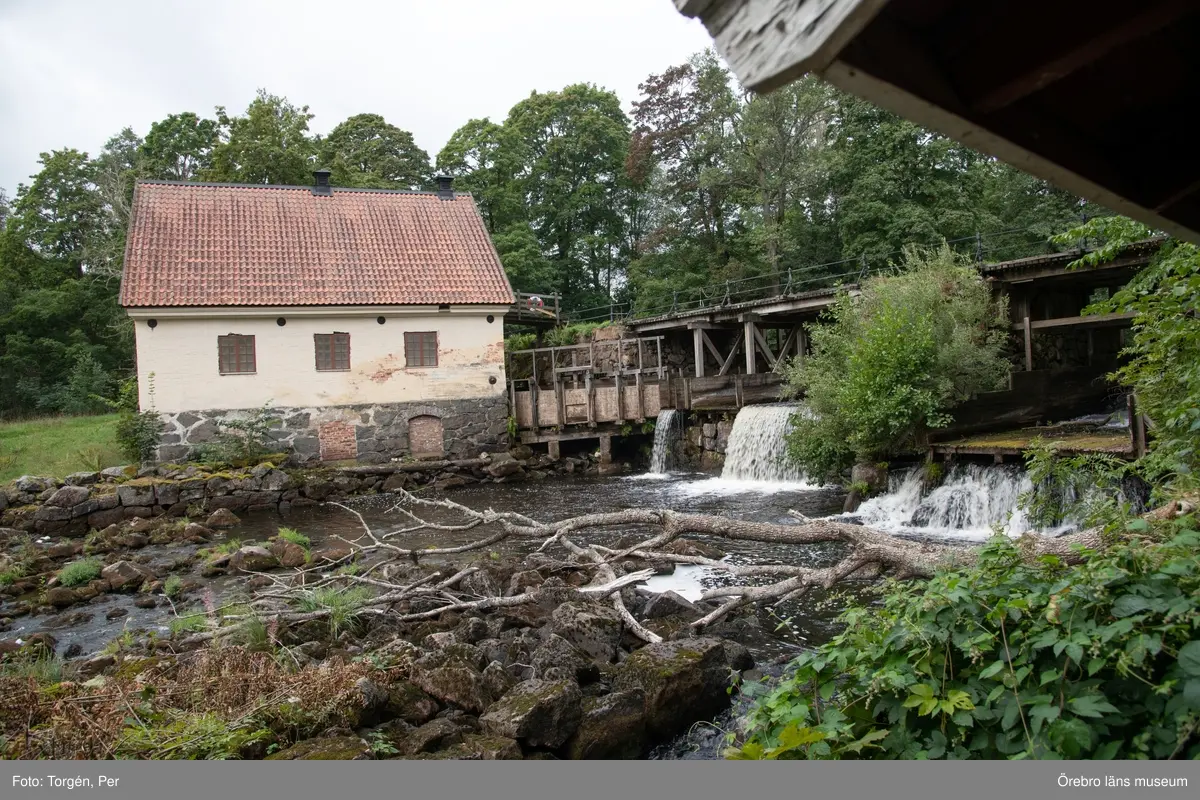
<point x="558" y="659"/>
<point x="135" y="495"/>
<point x="450" y="679"/>
<point x="540" y="713"/>
<point x="253" y="558"/>
<point x="82" y="478"/>
<point x="276" y="481"/>
<point x="684" y="681"/>
<point x="431" y="736"/>
<point x="222" y="518"/>
<point x="290" y="554"/>
<point x="195" y="532"/>
<point x="69" y="496"/>
<point x="96" y="664"/>
<point x="116" y="473"/>
<point x="33" y="484"/>
<point x="145" y="601"/>
<point x="408" y="703"/>
<point x="125" y="575"/>
<point x="395" y="482"/>
<point x="613" y="726"/>
<point x="61" y="597"/>
<point x="521" y="581"/>
<point x="593" y="628"/>
<point x="328" y="748"/>
<point x="667" y="604"/>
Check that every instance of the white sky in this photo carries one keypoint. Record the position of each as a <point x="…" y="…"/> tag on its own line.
<point x="75" y="72"/>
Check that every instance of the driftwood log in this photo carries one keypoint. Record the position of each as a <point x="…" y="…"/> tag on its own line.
<point x="870" y="554"/>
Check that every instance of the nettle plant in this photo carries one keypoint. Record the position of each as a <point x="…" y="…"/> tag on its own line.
<point x="1008" y="659"/>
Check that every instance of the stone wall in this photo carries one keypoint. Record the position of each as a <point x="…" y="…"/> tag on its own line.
<point x="705" y="439"/>
<point x="87" y="501"/>
<point x="369" y="433"/>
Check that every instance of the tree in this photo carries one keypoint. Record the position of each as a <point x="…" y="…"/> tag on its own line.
<point x="179" y="148"/>
<point x="569" y="149"/>
<point x="269" y="144"/>
<point x="474" y="156"/>
<point x="891" y="362"/>
<point x="117" y="168"/>
<point x="57" y="214"/>
<point x="366" y="151"/>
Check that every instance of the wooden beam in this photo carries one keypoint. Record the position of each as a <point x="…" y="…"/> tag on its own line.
<point x="1028" y="345"/>
<point x="712" y="348"/>
<point x="1088" y="50"/>
<point x="728" y="362"/>
<point x="769" y="43"/>
<point x="751" y="330"/>
<point x="1090" y="320"/>
<point x="762" y="342"/>
<point x="698" y="351"/>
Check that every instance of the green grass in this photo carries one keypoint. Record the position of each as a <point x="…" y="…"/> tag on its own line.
<point x="80" y="572"/>
<point x="295" y="537"/>
<point x="192" y="622"/>
<point x="58" y="446"/>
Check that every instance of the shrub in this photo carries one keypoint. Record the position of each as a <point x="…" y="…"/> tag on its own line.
<point x="80" y="572"/>
<point x="295" y="537"/>
<point x="13" y="574"/>
<point x="1008" y="659"/>
<point x="173" y="586"/>
<point x="242" y="442"/>
<point x="137" y="431"/>
<point x="578" y="333"/>
<point x="192" y="622"/>
<point x="887" y="365"/>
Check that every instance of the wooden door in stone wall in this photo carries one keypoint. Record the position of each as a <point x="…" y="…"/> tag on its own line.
<point x="426" y="436"/>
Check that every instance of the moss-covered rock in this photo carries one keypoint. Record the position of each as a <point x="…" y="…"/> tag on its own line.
<point x="539" y="713"/>
<point x="451" y="680"/>
<point x="684" y="681"/>
<point x="409" y="703"/>
<point x="613" y="726"/>
<point x="329" y="748"/>
<point x="593" y="628"/>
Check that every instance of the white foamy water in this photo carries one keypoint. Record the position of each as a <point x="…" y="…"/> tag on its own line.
<point x="668" y="429"/>
<point x="971" y="503"/>
<point x="685" y="581"/>
<point x="757" y="451"/>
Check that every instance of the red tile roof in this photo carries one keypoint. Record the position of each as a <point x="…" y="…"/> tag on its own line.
<point x="196" y="244"/>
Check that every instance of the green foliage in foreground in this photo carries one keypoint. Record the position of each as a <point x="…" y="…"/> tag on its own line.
<point x="888" y="364"/>
<point x="1008" y="659"/>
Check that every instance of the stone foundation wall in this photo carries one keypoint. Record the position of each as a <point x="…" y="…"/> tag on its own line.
<point x="368" y="433"/>
<point x="705" y="439"/>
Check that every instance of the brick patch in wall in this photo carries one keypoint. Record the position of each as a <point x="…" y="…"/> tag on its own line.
<point x="426" y="436"/>
<point x="338" y="441"/>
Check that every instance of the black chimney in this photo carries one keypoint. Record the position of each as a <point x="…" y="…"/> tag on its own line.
<point x="445" y="187"/>
<point x="321" y="182"/>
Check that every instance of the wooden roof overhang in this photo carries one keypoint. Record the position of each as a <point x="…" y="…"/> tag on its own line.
<point x="1094" y="96"/>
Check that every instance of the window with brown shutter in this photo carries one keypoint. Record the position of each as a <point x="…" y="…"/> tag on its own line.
<point x="421" y="349"/>
<point x="235" y="354"/>
<point x="333" y="351"/>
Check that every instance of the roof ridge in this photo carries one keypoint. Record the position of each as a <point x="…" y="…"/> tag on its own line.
<point x="281" y="186"/>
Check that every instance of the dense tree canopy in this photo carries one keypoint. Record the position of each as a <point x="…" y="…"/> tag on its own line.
<point x="699" y="184"/>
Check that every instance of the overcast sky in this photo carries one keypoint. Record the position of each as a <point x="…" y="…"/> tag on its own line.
<point x="75" y="72"/>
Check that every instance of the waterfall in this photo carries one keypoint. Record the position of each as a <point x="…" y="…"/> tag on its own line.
<point x="971" y="501"/>
<point x="758" y="448"/>
<point x="667" y="430"/>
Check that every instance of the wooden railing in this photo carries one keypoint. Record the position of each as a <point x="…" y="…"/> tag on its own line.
<point x="535" y="308"/>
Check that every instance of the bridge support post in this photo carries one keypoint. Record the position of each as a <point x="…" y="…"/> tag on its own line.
<point x="751" y="351"/>
<point x="698" y="348"/>
<point x="553" y="450"/>
<point x="605" y="450"/>
<point x="1028" y="345"/>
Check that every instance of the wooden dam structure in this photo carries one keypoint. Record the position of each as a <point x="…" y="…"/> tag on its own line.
<point x="725" y="354"/>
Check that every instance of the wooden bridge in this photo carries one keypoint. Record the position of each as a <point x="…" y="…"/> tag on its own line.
<point x="726" y="350"/>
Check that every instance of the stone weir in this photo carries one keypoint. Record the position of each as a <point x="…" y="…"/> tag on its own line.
<point x="86" y="501"/>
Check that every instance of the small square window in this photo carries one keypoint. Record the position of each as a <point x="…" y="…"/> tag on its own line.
<point x="235" y="354"/>
<point x="421" y="349"/>
<point x="333" y="351"/>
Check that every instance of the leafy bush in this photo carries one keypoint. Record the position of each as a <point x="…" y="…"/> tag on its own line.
<point x="519" y="341"/>
<point x="85" y="390"/>
<point x="1008" y="659"/>
<point x="80" y="572"/>
<point x="578" y="333"/>
<point x="173" y="586"/>
<point x="13" y="574"/>
<point x="137" y="431"/>
<point x="192" y="622"/>
<point x="888" y="364"/>
<point x="295" y="537"/>
<point x="343" y="604"/>
<point x="1163" y="362"/>
<point x="1084" y="489"/>
<point x="242" y="442"/>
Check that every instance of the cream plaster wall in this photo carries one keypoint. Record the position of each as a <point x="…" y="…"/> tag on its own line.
<point x="181" y="354"/>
